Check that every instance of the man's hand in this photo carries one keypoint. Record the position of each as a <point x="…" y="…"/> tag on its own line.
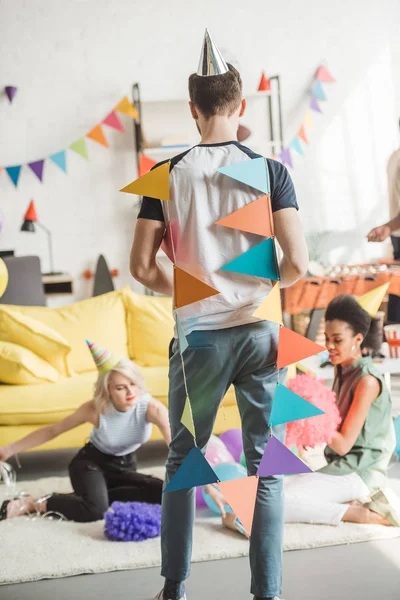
<point x="217" y="496"/>
<point x="379" y="234"/>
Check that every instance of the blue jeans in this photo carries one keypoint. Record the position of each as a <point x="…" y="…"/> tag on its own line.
<point x="244" y="356"/>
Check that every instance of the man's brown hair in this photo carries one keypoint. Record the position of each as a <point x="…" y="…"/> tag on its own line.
<point x="217" y="94"/>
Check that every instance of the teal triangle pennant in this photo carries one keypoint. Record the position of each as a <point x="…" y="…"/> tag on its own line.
<point x="193" y="472"/>
<point x="259" y="261"/>
<point x="288" y="406"/>
<point x="14" y="173"/>
<point x="59" y="158"/>
<point x="295" y="144"/>
<point x="251" y="172"/>
<point x="183" y="343"/>
<point x="318" y="90"/>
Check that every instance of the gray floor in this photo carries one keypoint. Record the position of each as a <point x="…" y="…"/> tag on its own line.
<point x="367" y="571"/>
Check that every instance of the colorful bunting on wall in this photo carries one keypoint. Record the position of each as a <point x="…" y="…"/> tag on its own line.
<point x="10" y="91"/>
<point x="79" y="146"/>
<point x="317" y="95"/>
<point x="145" y="164"/>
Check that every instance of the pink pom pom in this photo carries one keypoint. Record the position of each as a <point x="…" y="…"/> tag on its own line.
<point x="315" y="430"/>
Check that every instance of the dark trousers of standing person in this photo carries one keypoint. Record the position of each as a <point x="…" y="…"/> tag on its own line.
<point x="394" y="301"/>
<point x="99" y="479"/>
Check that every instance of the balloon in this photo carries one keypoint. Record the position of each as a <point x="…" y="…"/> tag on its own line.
<point x="242" y="459"/>
<point x="233" y="441"/>
<point x="225" y="472"/>
<point x="217" y="452"/>
<point x="200" y="502"/>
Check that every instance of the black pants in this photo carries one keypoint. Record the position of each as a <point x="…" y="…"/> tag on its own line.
<point x="394" y="301"/>
<point x="99" y="479"/>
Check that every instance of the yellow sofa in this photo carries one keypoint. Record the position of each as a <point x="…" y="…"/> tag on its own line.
<point x="128" y="324"/>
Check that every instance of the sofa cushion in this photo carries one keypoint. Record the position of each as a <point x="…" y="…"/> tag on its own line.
<point x="101" y="319"/>
<point x="150" y="328"/>
<point x="19" y="328"/>
<point x="18" y="365"/>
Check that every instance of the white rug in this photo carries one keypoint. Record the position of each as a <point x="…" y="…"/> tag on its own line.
<point x="42" y="549"/>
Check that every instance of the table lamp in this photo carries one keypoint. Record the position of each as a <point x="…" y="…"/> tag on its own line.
<point x="29" y="224"/>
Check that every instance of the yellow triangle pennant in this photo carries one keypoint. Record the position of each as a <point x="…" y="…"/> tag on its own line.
<point x="126" y="107"/>
<point x="271" y="308"/>
<point x="308" y="120"/>
<point x="372" y="300"/>
<point x="187" y="418"/>
<point x="154" y="184"/>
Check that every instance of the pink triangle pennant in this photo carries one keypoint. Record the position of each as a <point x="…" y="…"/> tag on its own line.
<point x="113" y="121"/>
<point x="323" y="74"/>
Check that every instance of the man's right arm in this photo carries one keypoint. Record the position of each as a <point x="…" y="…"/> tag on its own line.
<point x="379" y="234"/>
<point x="290" y="235"/>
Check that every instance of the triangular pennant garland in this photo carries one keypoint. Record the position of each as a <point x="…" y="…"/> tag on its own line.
<point x="286" y="157"/>
<point x="241" y="495"/>
<point x="10" y="90"/>
<point x="271" y="307"/>
<point x="14" y="173"/>
<point x="372" y="300"/>
<point x="126" y="107"/>
<point x="59" y="158"/>
<point x="288" y="406"/>
<point x="259" y="261"/>
<point x="97" y="135"/>
<point x="193" y="472"/>
<point x="295" y="144"/>
<point x="293" y="347"/>
<point x="154" y="184"/>
<point x="183" y="343"/>
<point x="113" y="121"/>
<point x="324" y="75"/>
<point x="314" y="104"/>
<point x="189" y="289"/>
<point x="145" y="164"/>
<point x="80" y="148"/>
<point x="279" y="460"/>
<point x="308" y="120"/>
<point x="37" y="168"/>
<point x="251" y="172"/>
<point x="318" y="90"/>
<point x="302" y="134"/>
<point x="187" y="418"/>
<point x="255" y="217"/>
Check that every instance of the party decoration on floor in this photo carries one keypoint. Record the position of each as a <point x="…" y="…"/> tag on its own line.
<point x="10" y="91"/>
<point x="372" y="300"/>
<point x="255" y="217"/>
<point x="289" y="406"/>
<point x="183" y="343"/>
<point x="225" y="472"/>
<point x="271" y="308"/>
<point x="278" y="460"/>
<point x="217" y="452"/>
<point x="319" y="429"/>
<point x="233" y="440"/>
<point x="265" y="84"/>
<point x="187" y="418"/>
<point x="132" y="521"/>
<point x="3" y="277"/>
<point x="211" y="62"/>
<point x="189" y="289"/>
<point x="252" y="172"/>
<point x="294" y="347"/>
<point x="103" y="358"/>
<point x="145" y="164"/>
<point x="259" y="261"/>
<point x="317" y="95"/>
<point x="79" y="146"/>
<point x="241" y="496"/>
<point x="194" y="471"/>
<point x="154" y="184"/>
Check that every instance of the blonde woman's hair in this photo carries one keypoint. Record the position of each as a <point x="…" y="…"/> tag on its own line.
<point x="125" y="367"/>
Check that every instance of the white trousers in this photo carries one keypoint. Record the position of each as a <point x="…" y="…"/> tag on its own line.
<point x="320" y="498"/>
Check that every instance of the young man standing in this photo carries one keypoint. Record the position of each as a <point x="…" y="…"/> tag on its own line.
<point x="227" y="345"/>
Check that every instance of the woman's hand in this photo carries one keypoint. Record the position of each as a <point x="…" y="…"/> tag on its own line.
<point x="217" y="496"/>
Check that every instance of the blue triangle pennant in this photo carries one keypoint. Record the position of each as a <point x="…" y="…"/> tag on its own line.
<point x="59" y="158"/>
<point x="183" y="343"/>
<point x="295" y="144"/>
<point x="251" y="172"/>
<point x="318" y="90"/>
<point x="288" y="406"/>
<point x="14" y="173"/>
<point x="259" y="261"/>
<point x="193" y="472"/>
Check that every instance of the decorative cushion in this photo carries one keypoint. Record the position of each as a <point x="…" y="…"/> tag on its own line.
<point x="19" y="365"/>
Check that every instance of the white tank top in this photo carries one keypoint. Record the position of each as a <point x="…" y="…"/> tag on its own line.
<point x="121" y="433"/>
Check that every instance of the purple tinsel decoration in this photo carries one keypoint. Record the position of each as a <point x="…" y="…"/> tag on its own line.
<point x="132" y="521"/>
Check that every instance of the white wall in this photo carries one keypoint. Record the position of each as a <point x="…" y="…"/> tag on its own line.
<point x="73" y="60"/>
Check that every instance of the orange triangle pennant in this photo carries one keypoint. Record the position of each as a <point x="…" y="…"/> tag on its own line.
<point x="154" y="184"/>
<point x="241" y="495"/>
<point x="302" y="134"/>
<point x="255" y="217"/>
<point x="293" y="347"/>
<point x="271" y="308"/>
<point x="145" y="164"/>
<point x="189" y="289"/>
<point x="97" y="135"/>
<point x="126" y="107"/>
